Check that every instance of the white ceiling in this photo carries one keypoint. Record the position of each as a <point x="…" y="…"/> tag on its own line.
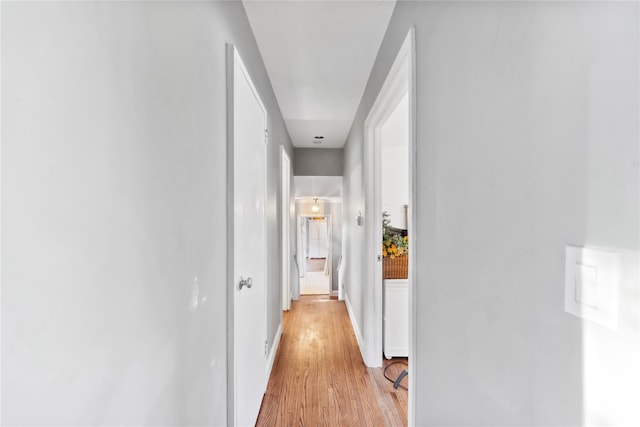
<point x="319" y="55"/>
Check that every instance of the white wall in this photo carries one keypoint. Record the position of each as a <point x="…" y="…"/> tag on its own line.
<point x="353" y="242"/>
<point x="394" y="149"/>
<point x="527" y="140"/>
<point x="114" y="227"/>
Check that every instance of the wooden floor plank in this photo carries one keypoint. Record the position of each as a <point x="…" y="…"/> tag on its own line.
<point x="319" y="379"/>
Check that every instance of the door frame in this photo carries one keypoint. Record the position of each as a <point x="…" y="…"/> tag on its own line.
<point x="400" y="80"/>
<point x="234" y="59"/>
<point x="285" y="189"/>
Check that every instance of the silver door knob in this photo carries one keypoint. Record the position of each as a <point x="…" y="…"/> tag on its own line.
<point x="248" y="282"/>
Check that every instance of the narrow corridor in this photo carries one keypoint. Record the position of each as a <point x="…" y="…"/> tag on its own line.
<point x="319" y="378"/>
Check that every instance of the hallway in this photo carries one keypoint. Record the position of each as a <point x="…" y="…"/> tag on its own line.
<point x="319" y="378"/>
<point x="130" y="136"/>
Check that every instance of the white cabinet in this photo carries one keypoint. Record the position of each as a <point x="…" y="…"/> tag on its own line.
<point x="396" y="318"/>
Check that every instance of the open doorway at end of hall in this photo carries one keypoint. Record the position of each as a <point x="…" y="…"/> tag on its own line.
<point x="315" y="242"/>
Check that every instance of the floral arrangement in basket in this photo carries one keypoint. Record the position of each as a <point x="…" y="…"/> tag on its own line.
<point x="395" y="247"/>
<point x="393" y="244"/>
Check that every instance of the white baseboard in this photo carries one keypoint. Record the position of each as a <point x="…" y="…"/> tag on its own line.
<point x="334" y="293"/>
<point x="354" y="324"/>
<point x="274" y="350"/>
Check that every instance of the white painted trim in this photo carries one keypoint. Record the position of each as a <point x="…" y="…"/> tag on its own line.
<point x="334" y="293"/>
<point x="354" y="325"/>
<point x="411" y="227"/>
<point x="1" y="208"/>
<point x="274" y="350"/>
<point x="329" y="262"/>
<point x="230" y="246"/>
<point x="400" y="80"/>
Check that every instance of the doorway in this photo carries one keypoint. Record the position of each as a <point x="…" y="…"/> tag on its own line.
<point x="318" y="196"/>
<point x="285" y="182"/>
<point x="316" y="238"/>
<point x="397" y="94"/>
<point x="394" y="203"/>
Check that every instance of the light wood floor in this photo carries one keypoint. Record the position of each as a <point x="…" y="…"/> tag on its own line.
<point x="319" y="379"/>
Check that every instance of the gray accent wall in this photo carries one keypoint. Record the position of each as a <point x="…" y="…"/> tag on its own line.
<point x="114" y="184"/>
<point x="318" y="161"/>
<point x="527" y="141"/>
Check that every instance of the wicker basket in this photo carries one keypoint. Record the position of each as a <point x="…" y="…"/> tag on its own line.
<point x="396" y="268"/>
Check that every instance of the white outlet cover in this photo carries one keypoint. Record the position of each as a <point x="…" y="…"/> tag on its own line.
<point x="592" y="280"/>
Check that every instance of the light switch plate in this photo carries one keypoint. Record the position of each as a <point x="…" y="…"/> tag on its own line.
<point x="592" y="280"/>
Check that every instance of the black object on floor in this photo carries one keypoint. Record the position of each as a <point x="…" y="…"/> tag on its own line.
<point x="397" y="381"/>
<point x="403" y="374"/>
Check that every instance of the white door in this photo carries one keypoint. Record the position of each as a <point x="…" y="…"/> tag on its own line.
<point x="249" y="247"/>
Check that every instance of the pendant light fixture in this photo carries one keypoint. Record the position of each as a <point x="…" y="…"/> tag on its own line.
<point x="315" y="208"/>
